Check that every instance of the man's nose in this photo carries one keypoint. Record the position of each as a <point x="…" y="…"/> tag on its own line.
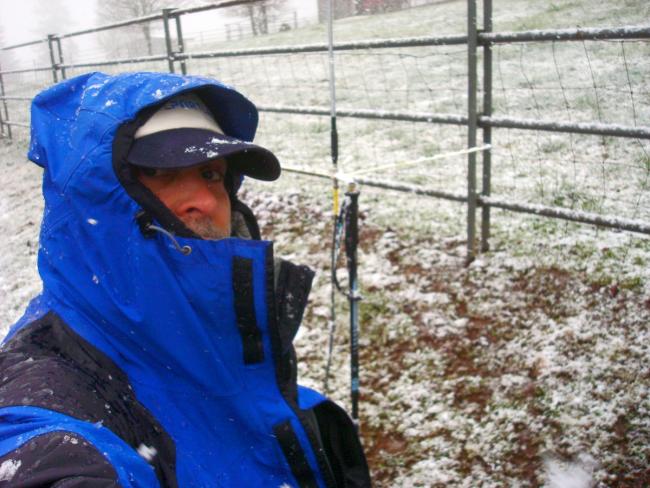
<point x="197" y="197"/>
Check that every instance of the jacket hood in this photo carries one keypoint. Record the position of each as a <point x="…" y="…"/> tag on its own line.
<point x="76" y="125"/>
<point x="144" y="301"/>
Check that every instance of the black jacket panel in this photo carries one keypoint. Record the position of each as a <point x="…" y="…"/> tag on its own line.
<point x="56" y="459"/>
<point x="47" y="365"/>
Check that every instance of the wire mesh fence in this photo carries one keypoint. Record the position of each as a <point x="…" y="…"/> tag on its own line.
<point x="552" y="103"/>
<point x="577" y="82"/>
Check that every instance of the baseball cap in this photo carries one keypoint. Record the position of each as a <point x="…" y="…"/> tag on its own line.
<point x="183" y="132"/>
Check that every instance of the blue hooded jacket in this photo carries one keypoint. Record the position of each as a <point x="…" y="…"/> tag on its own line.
<point x="182" y="371"/>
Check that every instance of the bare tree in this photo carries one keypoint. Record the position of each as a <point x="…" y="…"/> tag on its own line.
<point x="117" y="10"/>
<point x="258" y="14"/>
<point x="54" y="20"/>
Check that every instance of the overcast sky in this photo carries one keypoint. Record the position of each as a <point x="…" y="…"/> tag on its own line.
<point x="20" y="20"/>
<point x="25" y="20"/>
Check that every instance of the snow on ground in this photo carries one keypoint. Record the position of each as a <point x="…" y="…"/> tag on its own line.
<point x="519" y="370"/>
<point x="21" y="206"/>
<point x="530" y="367"/>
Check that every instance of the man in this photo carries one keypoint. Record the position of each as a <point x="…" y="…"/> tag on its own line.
<point x="159" y="352"/>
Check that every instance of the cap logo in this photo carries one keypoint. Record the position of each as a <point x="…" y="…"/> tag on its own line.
<point x="185" y="103"/>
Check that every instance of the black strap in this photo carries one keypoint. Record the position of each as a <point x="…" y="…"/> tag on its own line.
<point x="292" y="292"/>
<point x="251" y="336"/>
<point x="295" y="455"/>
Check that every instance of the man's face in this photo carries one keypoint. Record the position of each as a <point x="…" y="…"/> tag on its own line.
<point x="196" y="195"/>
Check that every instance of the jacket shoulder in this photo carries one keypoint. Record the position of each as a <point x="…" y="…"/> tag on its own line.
<point x="61" y="459"/>
<point x="46" y="365"/>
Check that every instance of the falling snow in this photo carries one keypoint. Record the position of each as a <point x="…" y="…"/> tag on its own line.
<point x="146" y="452"/>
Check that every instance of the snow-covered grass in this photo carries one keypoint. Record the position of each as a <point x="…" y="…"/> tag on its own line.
<point x="527" y="368"/>
<point x="21" y="205"/>
<point x="520" y="370"/>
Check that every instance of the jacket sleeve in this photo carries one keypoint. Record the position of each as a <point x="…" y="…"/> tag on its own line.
<point x="40" y="448"/>
<point x="57" y="459"/>
<point x="342" y="445"/>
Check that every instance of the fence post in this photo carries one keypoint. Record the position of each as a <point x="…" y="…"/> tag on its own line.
<point x="4" y="105"/>
<point x="55" y="75"/>
<point x="181" y="42"/>
<point x="472" y="119"/>
<point x="168" y="39"/>
<point x="60" y="53"/>
<point x="487" y="131"/>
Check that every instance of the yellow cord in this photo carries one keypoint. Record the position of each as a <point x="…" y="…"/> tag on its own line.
<point x="335" y="196"/>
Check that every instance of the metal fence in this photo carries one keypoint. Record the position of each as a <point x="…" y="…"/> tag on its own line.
<point x="478" y="119"/>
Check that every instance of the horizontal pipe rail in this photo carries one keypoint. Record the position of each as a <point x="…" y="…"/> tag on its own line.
<point x="590" y="128"/>
<point x="115" y="25"/>
<point x="20" y="99"/>
<point x="501" y="122"/>
<point x="616" y="33"/>
<point x="370" y="114"/>
<point x="488" y="201"/>
<point x="619" y="33"/>
<point x="24" y="44"/>
<point x="568" y="214"/>
<point x="25" y="70"/>
<point x="317" y="48"/>
<point x="212" y="6"/>
<point x="142" y="59"/>
<point x="485" y="38"/>
<point x="541" y="210"/>
<point x="16" y="124"/>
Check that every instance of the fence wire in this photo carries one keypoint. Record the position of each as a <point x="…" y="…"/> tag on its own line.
<point x="588" y="81"/>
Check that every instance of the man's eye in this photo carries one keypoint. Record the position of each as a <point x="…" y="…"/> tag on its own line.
<point x="211" y="175"/>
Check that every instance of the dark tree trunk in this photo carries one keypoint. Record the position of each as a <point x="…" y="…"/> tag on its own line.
<point x="251" y="17"/>
<point x="146" y="31"/>
<point x="264" y="20"/>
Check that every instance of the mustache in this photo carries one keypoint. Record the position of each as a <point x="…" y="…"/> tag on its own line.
<point x="204" y="227"/>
